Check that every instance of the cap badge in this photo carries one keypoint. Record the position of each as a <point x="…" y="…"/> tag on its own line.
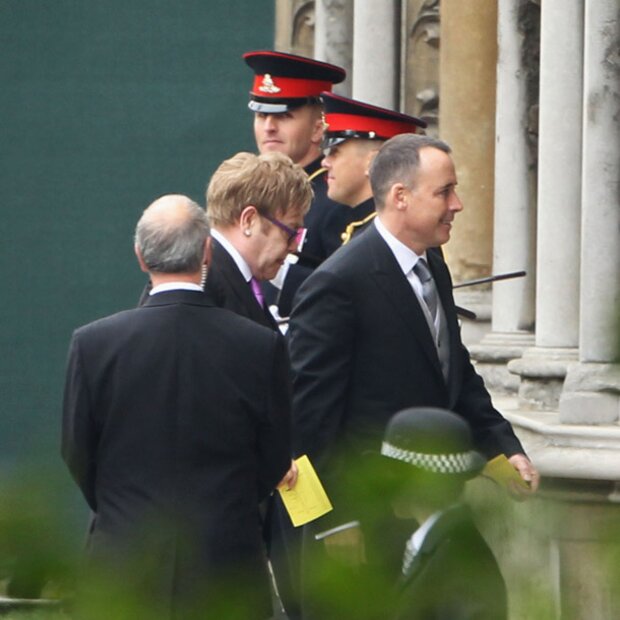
<point x="268" y="86"/>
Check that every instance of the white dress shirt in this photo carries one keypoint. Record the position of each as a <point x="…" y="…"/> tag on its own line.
<point x="243" y="267"/>
<point x="407" y="259"/>
<point x="175" y="286"/>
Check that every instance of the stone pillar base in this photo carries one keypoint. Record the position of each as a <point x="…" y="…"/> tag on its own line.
<point x="493" y="353"/>
<point x="591" y="394"/>
<point x="542" y="371"/>
<point x="570" y="530"/>
<point x="584" y="536"/>
<point x="479" y="302"/>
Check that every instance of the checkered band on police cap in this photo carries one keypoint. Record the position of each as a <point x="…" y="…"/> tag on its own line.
<point x="454" y="463"/>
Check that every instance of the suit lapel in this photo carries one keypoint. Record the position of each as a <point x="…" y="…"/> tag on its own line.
<point x="390" y="279"/>
<point x="240" y="288"/>
<point x="441" y="531"/>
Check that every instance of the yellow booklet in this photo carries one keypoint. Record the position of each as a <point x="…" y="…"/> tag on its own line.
<point x="501" y="471"/>
<point x="307" y="500"/>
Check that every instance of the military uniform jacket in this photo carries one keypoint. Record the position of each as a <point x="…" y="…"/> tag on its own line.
<point x="176" y="423"/>
<point x="361" y="350"/>
<point x="360" y="217"/>
<point x="325" y="222"/>
<point x="454" y="576"/>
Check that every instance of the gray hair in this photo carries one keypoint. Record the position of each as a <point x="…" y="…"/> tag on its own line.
<point x="398" y="161"/>
<point x="171" y="235"/>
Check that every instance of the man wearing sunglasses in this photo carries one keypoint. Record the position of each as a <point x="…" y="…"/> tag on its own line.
<point x="256" y="205"/>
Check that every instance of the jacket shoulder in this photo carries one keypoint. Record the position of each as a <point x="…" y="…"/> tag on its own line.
<point x="355" y="256"/>
<point x="106" y="323"/>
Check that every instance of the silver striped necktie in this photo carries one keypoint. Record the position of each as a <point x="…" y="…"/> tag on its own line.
<point x="429" y="291"/>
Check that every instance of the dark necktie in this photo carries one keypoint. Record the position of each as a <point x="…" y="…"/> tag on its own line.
<point x="429" y="292"/>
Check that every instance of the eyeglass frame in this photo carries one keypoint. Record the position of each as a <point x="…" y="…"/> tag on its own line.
<point x="293" y="233"/>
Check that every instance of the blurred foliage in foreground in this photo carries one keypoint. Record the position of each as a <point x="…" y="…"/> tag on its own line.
<point x="39" y="543"/>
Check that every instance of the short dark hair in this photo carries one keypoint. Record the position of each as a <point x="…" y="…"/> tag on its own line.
<point x="397" y="162"/>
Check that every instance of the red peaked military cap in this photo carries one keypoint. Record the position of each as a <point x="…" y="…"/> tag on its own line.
<point x="348" y="118"/>
<point x="284" y="81"/>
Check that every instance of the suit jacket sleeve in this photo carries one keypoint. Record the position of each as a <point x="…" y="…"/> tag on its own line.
<point x="492" y="432"/>
<point x="321" y="345"/>
<point x="294" y="278"/>
<point x="79" y="435"/>
<point x="274" y="440"/>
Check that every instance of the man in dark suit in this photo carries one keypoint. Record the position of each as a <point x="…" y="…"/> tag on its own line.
<point x="256" y="205"/>
<point x="175" y="426"/>
<point x="369" y="336"/>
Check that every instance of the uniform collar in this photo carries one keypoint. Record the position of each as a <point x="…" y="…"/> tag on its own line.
<point x="313" y="166"/>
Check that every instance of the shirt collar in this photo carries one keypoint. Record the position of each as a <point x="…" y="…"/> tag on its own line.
<point x="420" y="534"/>
<point x="405" y="256"/>
<point x="175" y="286"/>
<point x="234" y="254"/>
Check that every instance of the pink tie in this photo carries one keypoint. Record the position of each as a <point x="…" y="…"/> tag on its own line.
<point x="258" y="293"/>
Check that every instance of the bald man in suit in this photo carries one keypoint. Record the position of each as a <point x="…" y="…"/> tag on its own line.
<point x="176" y="424"/>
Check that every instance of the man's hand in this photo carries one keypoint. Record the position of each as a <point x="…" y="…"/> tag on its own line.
<point x="347" y="547"/>
<point x="290" y="478"/>
<point x="528" y="473"/>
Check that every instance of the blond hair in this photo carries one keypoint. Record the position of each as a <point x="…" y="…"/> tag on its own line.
<point x="270" y="182"/>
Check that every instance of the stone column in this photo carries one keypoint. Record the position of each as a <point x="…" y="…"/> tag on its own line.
<point x="514" y="231"/>
<point x="467" y="123"/>
<point x="543" y="368"/>
<point x="592" y="389"/>
<point x="376" y="70"/>
<point x="421" y="34"/>
<point x="559" y="173"/>
<point x="467" y="82"/>
<point x="294" y="27"/>
<point x="283" y="26"/>
<point x="333" y="37"/>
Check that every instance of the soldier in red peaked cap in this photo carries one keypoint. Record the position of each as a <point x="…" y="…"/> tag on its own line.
<point x="288" y="117"/>
<point x="354" y="133"/>
<point x="285" y="82"/>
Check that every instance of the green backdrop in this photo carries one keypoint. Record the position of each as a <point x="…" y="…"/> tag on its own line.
<point x="103" y="107"/>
